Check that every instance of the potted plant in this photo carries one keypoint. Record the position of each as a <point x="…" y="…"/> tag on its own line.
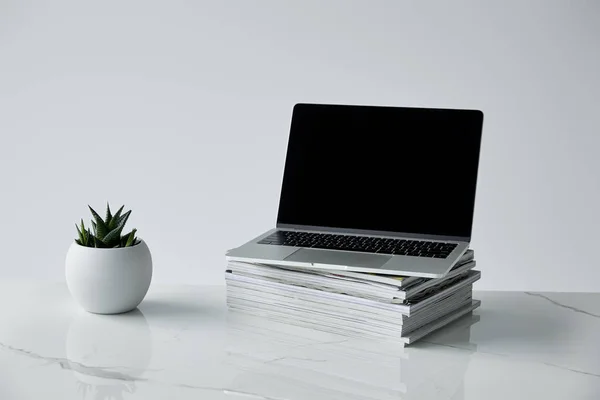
<point x="108" y="272"/>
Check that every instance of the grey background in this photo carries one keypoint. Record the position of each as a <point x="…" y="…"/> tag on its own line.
<point x="180" y="111"/>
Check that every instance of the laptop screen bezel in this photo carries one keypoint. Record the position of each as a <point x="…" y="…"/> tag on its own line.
<point x="368" y="232"/>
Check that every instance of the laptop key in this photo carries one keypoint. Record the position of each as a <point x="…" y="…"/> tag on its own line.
<point x="363" y="244"/>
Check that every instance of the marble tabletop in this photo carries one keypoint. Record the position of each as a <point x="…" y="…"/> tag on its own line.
<point x="183" y="343"/>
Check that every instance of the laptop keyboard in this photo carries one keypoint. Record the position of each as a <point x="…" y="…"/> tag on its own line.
<point x="365" y="244"/>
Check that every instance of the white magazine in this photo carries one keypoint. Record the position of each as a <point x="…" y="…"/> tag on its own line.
<point x="443" y="292"/>
<point x="338" y="316"/>
<point x="410" y="337"/>
<point x="352" y="287"/>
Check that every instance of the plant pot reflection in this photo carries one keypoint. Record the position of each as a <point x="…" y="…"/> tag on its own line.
<point x="108" y="354"/>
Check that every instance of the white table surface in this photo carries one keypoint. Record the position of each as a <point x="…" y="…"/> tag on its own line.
<point x="182" y="343"/>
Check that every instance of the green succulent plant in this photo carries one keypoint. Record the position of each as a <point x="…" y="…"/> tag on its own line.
<point x="106" y="233"/>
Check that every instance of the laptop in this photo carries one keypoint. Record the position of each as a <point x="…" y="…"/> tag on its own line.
<point x="374" y="189"/>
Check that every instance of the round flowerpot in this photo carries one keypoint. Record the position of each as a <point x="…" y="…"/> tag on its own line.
<point x="109" y="281"/>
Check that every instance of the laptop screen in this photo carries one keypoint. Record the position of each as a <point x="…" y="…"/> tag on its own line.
<point x="378" y="168"/>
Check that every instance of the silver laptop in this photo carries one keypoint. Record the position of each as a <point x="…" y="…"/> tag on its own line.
<point x="387" y="190"/>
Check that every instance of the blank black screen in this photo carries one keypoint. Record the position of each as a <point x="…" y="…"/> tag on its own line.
<point x="382" y="168"/>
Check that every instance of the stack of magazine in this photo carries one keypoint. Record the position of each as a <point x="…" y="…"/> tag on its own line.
<point x="354" y="304"/>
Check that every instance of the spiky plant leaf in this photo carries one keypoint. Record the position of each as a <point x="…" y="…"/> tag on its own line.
<point x="84" y="233"/>
<point x="124" y="239"/>
<point x="108" y="215"/>
<point x="101" y="228"/>
<point x="114" y="237"/>
<point x="98" y="243"/>
<point x="116" y="218"/>
<point x="119" y="211"/>
<point x="123" y="218"/>
<point x="78" y="242"/>
<point x="106" y="233"/>
<point x="131" y="238"/>
<point x="81" y="239"/>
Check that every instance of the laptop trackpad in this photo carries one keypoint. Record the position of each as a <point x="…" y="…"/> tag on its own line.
<point x="339" y="258"/>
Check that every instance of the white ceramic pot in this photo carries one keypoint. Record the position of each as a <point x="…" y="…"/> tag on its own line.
<point x="109" y="281"/>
